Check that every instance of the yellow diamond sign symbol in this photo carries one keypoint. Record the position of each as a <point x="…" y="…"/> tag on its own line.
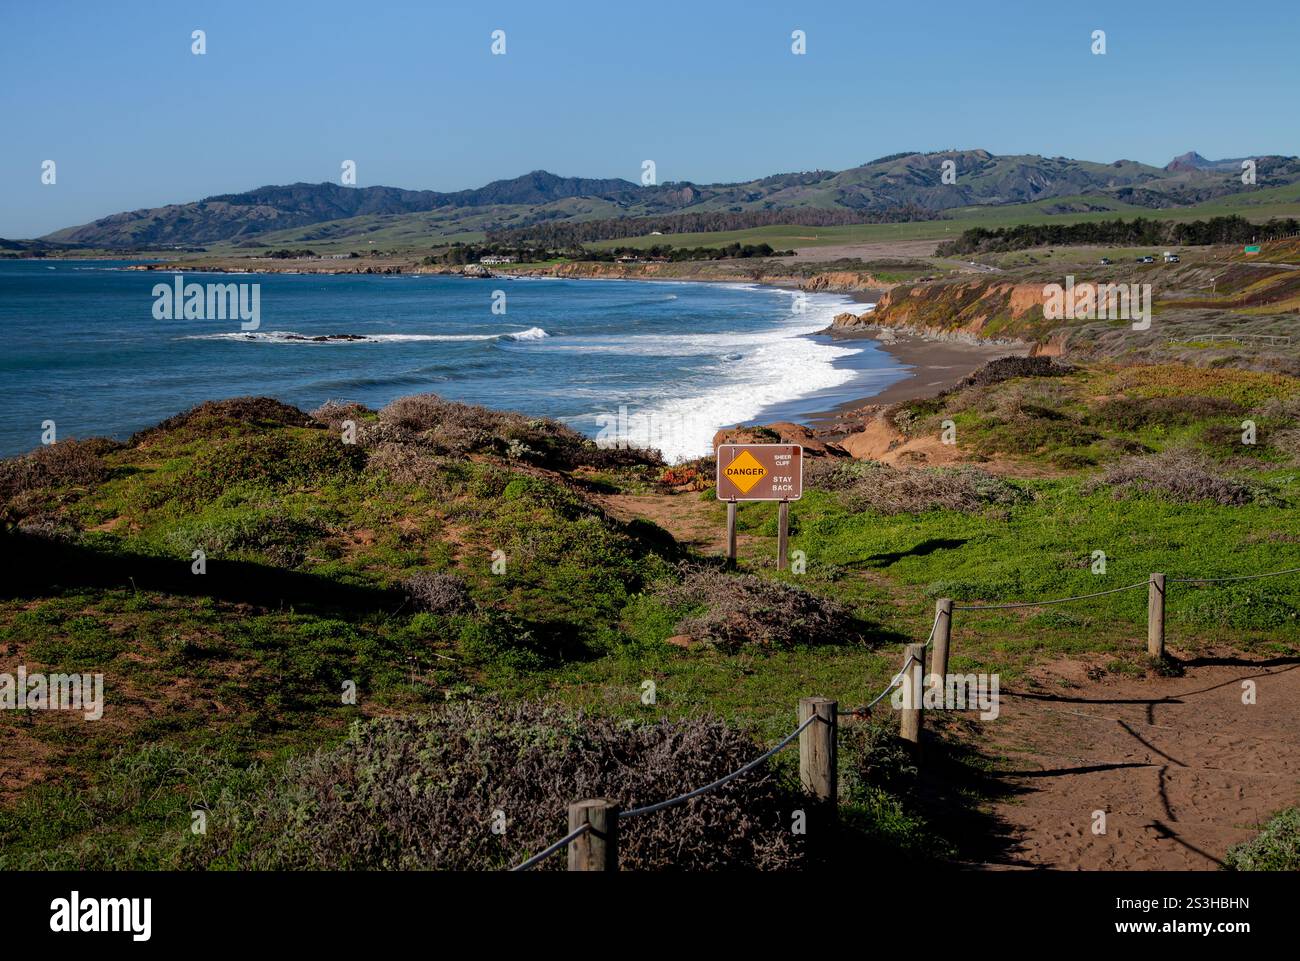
<point x="745" y="471"/>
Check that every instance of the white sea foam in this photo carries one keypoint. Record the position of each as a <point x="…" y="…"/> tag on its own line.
<point x="754" y="370"/>
<point x="532" y="333"/>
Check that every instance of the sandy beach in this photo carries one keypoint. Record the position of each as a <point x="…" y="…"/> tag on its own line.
<point x="935" y="366"/>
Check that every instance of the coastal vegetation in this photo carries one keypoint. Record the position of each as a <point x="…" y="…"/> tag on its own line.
<point x="1276" y="848"/>
<point x="473" y="574"/>
<point x="496" y="589"/>
<point x="1119" y="232"/>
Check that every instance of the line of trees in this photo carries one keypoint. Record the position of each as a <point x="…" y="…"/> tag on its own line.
<point x="463" y="253"/>
<point x="676" y="254"/>
<point x="567" y="233"/>
<point x="1139" y="232"/>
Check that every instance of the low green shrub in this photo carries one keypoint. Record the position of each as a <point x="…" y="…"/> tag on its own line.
<point x="1276" y="848"/>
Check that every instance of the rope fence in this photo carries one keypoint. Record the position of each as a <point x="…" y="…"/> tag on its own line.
<point x="683" y="798"/>
<point x="541" y="856"/>
<point x="1221" y="580"/>
<point x="592" y="841"/>
<point x="1055" y="600"/>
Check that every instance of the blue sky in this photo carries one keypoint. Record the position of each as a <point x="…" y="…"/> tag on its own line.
<point x="709" y="90"/>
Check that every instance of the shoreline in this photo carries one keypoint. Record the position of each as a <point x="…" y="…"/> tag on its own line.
<point x="935" y="366"/>
<point x="910" y="350"/>
<point x="924" y="366"/>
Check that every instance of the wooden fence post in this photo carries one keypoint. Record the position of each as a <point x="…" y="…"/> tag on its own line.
<point x="942" y="636"/>
<point x="731" y="532"/>
<point x="782" y="535"/>
<point x="1156" y="616"/>
<point x="909" y="723"/>
<point x="597" y="849"/>
<point x="818" y="763"/>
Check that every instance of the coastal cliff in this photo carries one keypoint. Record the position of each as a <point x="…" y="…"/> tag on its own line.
<point x="979" y="311"/>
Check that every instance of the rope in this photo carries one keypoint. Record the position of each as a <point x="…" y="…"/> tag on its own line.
<point x="681" y="799"/>
<point x="1056" y="600"/>
<point x="894" y="682"/>
<point x="897" y="679"/>
<point x="933" y="627"/>
<point x="543" y="855"/>
<point x="1219" y="580"/>
<point x="1116" y="590"/>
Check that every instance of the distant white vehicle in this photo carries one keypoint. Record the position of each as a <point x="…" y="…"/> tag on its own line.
<point x="1171" y="258"/>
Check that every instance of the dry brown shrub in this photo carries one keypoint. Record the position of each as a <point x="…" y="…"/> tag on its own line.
<point x="333" y="413"/>
<point x="450" y="428"/>
<point x="419" y="793"/>
<point x="410" y="464"/>
<point x="438" y="593"/>
<point x="1006" y="368"/>
<point x="1180" y="475"/>
<point x="66" y="463"/>
<point x="735" y="611"/>
<point x="888" y="490"/>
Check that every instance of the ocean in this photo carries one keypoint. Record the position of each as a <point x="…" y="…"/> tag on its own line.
<point x="664" y="363"/>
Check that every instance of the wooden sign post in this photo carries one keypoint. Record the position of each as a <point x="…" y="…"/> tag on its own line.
<point x="760" y="472"/>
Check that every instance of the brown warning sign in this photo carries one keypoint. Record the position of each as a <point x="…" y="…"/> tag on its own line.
<point x="760" y="472"/>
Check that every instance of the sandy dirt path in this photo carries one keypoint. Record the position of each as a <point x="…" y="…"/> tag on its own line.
<point x="1182" y="768"/>
<point x="694" y="523"/>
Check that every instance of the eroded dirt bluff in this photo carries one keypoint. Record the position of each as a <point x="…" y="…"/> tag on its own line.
<point x="983" y="310"/>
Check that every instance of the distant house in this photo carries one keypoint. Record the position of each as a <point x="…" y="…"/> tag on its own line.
<point x="492" y="259"/>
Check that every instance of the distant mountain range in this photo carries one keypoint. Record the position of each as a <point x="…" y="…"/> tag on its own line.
<point x="904" y="180"/>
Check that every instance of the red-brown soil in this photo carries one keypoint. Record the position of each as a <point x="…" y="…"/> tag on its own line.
<point x="1182" y="768"/>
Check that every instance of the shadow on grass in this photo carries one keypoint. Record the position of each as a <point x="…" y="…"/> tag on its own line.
<point x="920" y="550"/>
<point x="42" y="565"/>
<point x="947" y="795"/>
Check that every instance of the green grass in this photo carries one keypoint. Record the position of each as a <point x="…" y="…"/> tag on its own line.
<point x="1260" y="205"/>
<point x="246" y="679"/>
<point x="409" y="234"/>
<point x="1275" y="848"/>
